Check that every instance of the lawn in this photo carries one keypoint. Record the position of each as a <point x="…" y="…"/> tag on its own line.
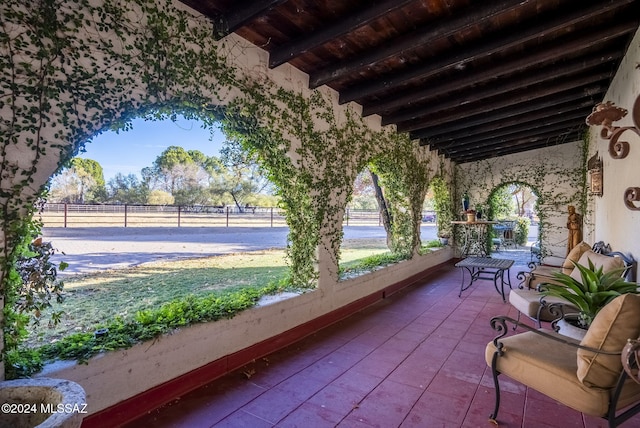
<point x="97" y="298"/>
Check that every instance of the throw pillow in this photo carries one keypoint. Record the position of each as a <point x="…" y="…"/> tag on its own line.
<point x="615" y="323"/>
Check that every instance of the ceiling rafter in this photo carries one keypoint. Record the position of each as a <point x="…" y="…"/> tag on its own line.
<point x="521" y="97"/>
<point x="250" y="10"/>
<point x="409" y="42"/>
<point x="295" y="48"/>
<point x="504" y="136"/>
<point x="579" y="98"/>
<point x="530" y="120"/>
<point x="501" y="132"/>
<point x="543" y="140"/>
<point x="466" y="78"/>
<point x="548" y="74"/>
<point x="519" y="64"/>
<point x="459" y="58"/>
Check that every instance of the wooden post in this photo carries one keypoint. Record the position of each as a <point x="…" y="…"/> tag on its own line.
<point x="227" y="216"/>
<point x="65" y="214"/>
<point x="179" y="209"/>
<point x="271" y="216"/>
<point x="125" y="215"/>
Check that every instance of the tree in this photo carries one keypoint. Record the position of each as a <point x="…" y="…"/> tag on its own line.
<point x="502" y="204"/>
<point x="82" y="182"/>
<point x="523" y="197"/>
<point x="364" y="195"/>
<point x="160" y="197"/>
<point x="244" y="177"/>
<point x="189" y="176"/>
<point x="127" y="189"/>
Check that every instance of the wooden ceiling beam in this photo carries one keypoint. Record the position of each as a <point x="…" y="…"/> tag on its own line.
<point x="247" y="12"/>
<point x="521" y="97"/>
<point x="503" y="132"/>
<point x="499" y="139"/>
<point x="458" y="60"/>
<point x="423" y="36"/>
<point x="299" y="46"/>
<point x="527" y="118"/>
<point x="517" y="147"/>
<point x="580" y="98"/>
<point x="518" y="65"/>
<point x="547" y="138"/>
<point x="517" y="84"/>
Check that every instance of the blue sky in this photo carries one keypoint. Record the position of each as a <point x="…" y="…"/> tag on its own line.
<point x="130" y="151"/>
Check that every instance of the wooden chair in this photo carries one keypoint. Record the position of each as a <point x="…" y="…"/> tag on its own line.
<point x="586" y="376"/>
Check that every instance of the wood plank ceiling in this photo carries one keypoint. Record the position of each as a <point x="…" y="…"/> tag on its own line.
<point x="471" y="79"/>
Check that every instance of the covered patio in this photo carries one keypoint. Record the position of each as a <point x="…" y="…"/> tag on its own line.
<point x="415" y="359"/>
<point x="474" y="96"/>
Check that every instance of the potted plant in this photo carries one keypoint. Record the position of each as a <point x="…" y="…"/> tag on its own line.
<point x="444" y="237"/>
<point x="27" y="292"/>
<point x="591" y="293"/>
<point x="471" y="216"/>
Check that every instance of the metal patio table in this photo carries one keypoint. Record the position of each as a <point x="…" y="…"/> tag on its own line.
<point x="486" y="268"/>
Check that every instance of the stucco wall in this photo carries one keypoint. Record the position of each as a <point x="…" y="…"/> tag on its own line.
<point x="554" y="173"/>
<point x="113" y="377"/>
<point x="614" y="223"/>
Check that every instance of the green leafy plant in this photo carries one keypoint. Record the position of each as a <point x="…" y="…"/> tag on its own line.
<point x="521" y="230"/>
<point x="592" y="292"/>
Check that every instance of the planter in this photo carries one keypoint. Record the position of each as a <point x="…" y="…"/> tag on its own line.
<point x="444" y="241"/>
<point x="42" y="403"/>
<point x="567" y="326"/>
<point x="471" y="217"/>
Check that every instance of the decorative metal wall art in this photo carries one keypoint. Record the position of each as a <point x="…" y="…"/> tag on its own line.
<point x="605" y="114"/>
<point x="632" y="195"/>
<point x="594" y="165"/>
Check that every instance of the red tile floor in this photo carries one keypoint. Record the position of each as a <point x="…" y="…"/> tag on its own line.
<point x="415" y="359"/>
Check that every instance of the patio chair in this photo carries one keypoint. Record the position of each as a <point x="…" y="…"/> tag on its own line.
<point x="586" y="376"/>
<point x="527" y="298"/>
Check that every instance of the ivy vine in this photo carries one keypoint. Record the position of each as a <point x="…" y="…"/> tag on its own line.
<point x="72" y="68"/>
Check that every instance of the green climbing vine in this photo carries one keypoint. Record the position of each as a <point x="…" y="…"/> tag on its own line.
<point x="557" y="181"/>
<point x="405" y="173"/>
<point x="71" y="68"/>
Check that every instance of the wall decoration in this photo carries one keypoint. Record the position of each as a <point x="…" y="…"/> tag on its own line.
<point x="632" y="195"/>
<point x="605" y="114"/>
<point x="594" y="165"/>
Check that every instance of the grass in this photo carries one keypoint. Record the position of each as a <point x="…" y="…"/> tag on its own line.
<point x="96" y="299"/>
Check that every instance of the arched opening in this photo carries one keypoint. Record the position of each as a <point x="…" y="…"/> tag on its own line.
<point x="168" y="253"/>
<point x="443" y="209"/>
<point x="364" y="245"/>
<point x="514" y="205"/>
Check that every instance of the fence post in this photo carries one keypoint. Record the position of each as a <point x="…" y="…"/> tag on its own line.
<point x="179" y="209"/>
<point x="271" y="216"/>
<point x="65" y="214"/>
<point x="125" y="215"/>
<point x="227" y="216"/>
<point x="347" y="217"/>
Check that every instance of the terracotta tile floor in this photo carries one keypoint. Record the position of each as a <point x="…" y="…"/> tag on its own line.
<point x="415" y="359"/>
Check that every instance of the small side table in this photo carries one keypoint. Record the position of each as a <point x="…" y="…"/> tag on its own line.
<point x="486" y="268"/>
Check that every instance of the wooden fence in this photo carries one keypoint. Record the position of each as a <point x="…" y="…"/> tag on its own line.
<point x="76" y="215"/>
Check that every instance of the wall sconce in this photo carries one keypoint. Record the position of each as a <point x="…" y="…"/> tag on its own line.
<point x="594" y="165"/>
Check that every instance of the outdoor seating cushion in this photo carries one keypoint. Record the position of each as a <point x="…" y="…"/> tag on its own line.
<point x="573" y="256"/>
<point x="607" y="263"/>
<point x="618" y="321"/>
<point x="550" y="368"/>
<point x="527" y="301"/>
